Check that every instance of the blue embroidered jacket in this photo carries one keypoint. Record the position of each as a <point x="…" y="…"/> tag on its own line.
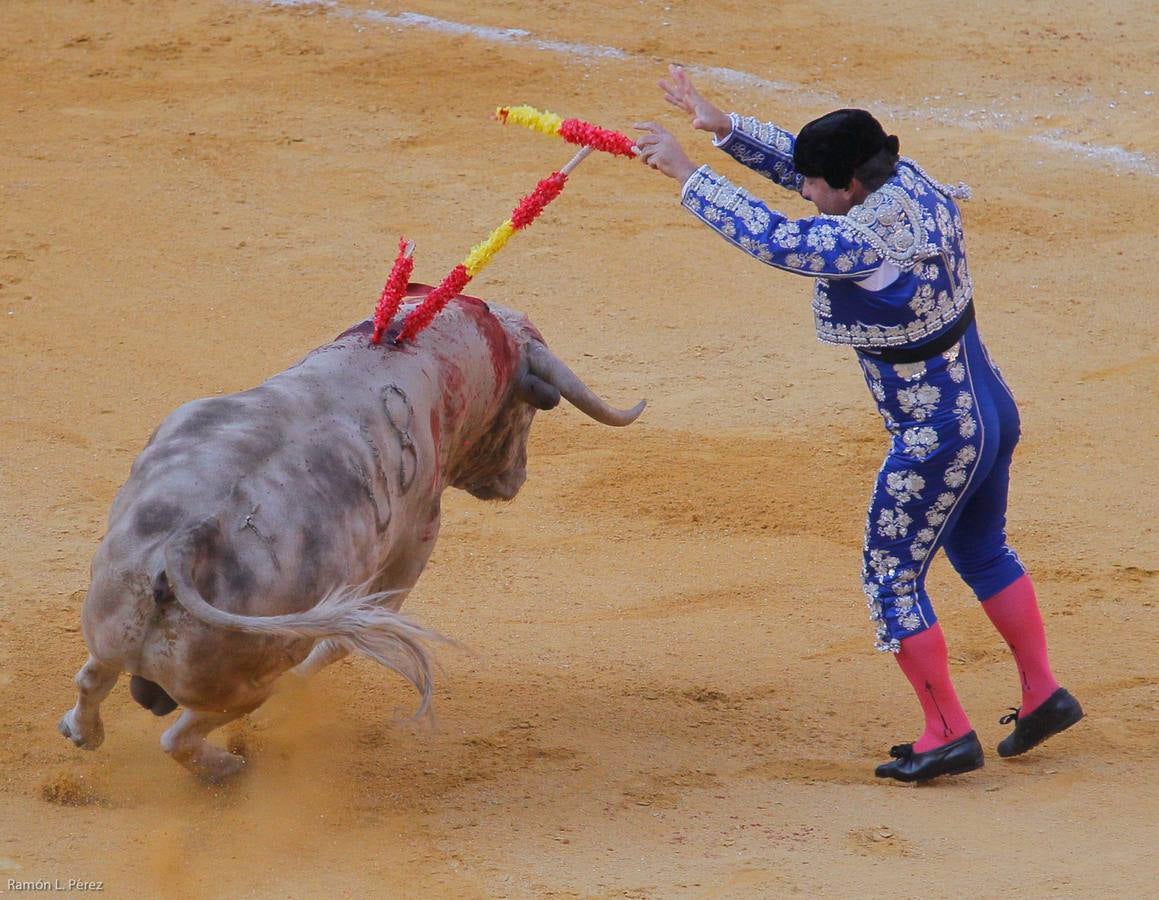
<point x="910" y="227"/>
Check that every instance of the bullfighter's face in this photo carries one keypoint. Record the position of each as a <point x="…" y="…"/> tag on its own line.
<point x="830" y="201"/>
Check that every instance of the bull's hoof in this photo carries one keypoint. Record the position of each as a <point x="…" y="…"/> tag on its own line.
<point x="69" y="727"/>
<point x="219" y="767"/>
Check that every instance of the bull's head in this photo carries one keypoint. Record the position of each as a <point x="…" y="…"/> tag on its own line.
<point x="540" y="380"/>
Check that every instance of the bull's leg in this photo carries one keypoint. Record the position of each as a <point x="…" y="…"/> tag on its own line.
<point x="288" y="690"/>
<point x="185" y="742"/>
<point x="324" y="653"/>
<point x="82" y="724"/>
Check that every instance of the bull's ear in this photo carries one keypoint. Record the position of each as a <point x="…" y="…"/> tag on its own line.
<point x="534" y="390"/>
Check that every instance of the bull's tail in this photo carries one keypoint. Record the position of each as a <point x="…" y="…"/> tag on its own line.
<point x="347" y="614"/>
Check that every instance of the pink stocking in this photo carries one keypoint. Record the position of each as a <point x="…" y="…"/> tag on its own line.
<point x="1014" y="612"/>
<point x="925" y="662"/>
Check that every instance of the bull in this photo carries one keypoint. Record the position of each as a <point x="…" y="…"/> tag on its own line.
<point x="280" y="528"/>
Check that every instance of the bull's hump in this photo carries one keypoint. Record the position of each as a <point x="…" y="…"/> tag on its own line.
<point x="363" y="328"/>
<point x="476" y="308"/>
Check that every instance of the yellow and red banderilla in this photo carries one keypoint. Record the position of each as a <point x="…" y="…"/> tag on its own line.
<point x="589" y="136"/>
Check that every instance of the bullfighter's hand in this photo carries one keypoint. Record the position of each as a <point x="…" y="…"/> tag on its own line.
<point x="678" y="91"/>
<point x="660" y="150"/>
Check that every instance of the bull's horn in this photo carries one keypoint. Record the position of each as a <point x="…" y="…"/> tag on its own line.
<point x="554" y="370"/>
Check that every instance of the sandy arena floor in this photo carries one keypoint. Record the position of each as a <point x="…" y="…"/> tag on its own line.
<point x="671" y="689"/>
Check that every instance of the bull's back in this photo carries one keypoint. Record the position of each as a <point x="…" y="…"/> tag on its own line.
<point x="301" y="472"/>
<point x="307" y="479"/>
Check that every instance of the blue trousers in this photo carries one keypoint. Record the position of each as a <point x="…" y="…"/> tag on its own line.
<point x="944" y="483"/>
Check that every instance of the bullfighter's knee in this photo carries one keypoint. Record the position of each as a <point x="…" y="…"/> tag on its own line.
<point x="986" y="569"/>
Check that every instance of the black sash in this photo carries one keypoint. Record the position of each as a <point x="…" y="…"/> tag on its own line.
<point x="919" y="352"/>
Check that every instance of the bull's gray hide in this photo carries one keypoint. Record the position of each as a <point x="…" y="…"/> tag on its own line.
<point x="282" y="527"/>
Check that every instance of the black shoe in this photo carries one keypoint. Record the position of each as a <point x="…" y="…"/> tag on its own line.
<point x="1058" y="713"/>
<point x="956" y="757"/>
